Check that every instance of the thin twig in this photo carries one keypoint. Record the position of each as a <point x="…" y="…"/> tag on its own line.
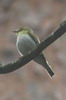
<point x="44" y="44"/>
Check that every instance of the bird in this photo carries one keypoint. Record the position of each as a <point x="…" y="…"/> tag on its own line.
<point x="26" y="42"/>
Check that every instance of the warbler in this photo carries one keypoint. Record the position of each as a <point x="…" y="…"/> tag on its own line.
<point x="26" y="42"/>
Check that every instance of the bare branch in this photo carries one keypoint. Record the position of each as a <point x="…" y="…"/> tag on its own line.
<point x="44" y="44"/>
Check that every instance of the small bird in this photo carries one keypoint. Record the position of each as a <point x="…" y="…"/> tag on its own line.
<point x="26" y="42"/>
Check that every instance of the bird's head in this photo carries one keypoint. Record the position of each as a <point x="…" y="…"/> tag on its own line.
<point x="24" y="30"/>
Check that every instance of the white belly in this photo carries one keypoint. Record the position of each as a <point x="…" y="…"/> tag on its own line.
<point x="25" y="44"/>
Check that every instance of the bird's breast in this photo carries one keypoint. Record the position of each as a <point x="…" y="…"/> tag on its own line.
<point x="25" y="44"/>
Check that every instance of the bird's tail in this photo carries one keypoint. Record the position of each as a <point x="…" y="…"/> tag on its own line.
<point x="42" y="61"/>
<point x="48" y="69"/>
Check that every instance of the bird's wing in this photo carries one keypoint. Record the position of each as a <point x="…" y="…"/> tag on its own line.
<point x="35" y="38"/>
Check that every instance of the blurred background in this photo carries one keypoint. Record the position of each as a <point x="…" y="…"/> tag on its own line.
<point x="31" y="82"/>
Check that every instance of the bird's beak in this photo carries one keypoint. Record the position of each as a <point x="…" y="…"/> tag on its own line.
<point x="15" y="31"/>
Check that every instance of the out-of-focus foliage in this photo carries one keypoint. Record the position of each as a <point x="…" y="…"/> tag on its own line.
<point x="32" y="82"/>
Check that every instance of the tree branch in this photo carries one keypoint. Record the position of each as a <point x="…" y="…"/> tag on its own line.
<point x="44" y="44"/>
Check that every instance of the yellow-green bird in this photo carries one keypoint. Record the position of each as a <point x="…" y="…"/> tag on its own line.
<point x="27" y="41"/>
